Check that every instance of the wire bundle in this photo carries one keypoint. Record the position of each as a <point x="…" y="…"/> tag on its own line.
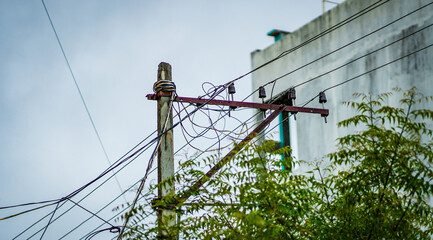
<point x="164" y="85"/>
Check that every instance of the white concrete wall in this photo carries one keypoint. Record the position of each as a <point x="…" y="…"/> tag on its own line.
<point x="314" y="137"/>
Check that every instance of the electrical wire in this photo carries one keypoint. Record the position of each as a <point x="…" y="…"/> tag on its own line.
<point x="27" y="204"/>
<point x="346" y="45"/>
<point x="136" y="153"/>
<point x="112" y="201"/>
<point x="376" y="68"/>
<point x="49" y="221"/>
<point x="111" y="229"/>
<point x="27" y="211"/>
<point x="116" y="215"/>
<point x="79" y="92"/>
<point x="93" y="214"/>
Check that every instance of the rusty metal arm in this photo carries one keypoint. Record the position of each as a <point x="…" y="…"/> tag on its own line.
<point x="185" y="195"/>
<point x="235" y="104"/>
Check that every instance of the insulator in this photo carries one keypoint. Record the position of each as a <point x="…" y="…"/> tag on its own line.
<point x="322" y="97"/>
<point x="232" y="89"/>
<point x="292" y="93"/>
<point x="262" y="92"/>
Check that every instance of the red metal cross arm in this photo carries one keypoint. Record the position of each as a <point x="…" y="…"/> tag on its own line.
<point x="235" y="104"/>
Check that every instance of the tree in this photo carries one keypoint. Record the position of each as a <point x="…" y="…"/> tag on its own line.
<point x="378" y="185"/>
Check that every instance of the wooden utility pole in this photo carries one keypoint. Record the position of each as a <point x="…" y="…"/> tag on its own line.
<point x="166" y="217"/>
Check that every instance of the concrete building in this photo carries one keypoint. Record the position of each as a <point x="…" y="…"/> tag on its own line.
<point x="403" y="25"/>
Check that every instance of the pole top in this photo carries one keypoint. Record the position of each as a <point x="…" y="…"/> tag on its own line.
<point x="164" y="71"/>
<point x="164" y="81"/>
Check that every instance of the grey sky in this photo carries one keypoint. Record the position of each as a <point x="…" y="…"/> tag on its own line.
<point x="47" y="144"/>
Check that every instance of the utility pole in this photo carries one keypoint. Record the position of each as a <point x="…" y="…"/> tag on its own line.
<point x="166" y="216"/>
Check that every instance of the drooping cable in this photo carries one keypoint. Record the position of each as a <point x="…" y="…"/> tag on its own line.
<point x="111" y="229"/>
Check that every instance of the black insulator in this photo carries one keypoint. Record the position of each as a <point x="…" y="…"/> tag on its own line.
<point x="232" y="89"/>
<point x="262" y="92"/>
<point x="322" y="97"/>
<point x="292" y="94"/>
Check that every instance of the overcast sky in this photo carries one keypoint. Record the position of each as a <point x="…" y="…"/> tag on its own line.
<point x="47" y="145"/>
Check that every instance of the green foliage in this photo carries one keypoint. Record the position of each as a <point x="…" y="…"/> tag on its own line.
<point x="378" y="185"/>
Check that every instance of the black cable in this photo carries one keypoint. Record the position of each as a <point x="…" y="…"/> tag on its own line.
<point x="374" y="69"/>
<point x="93" y="214"/>
<point x="344" y="46"/>
<point x="113" y="229"/>
<point x="27" y="204"/>
<point x="27" y="211"/>
<point x="101" y="210"/>
<point x="52" y="215"/>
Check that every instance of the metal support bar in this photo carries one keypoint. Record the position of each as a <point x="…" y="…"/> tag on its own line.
<point x="229" y="155"/>
<point x="292" y="109"/>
